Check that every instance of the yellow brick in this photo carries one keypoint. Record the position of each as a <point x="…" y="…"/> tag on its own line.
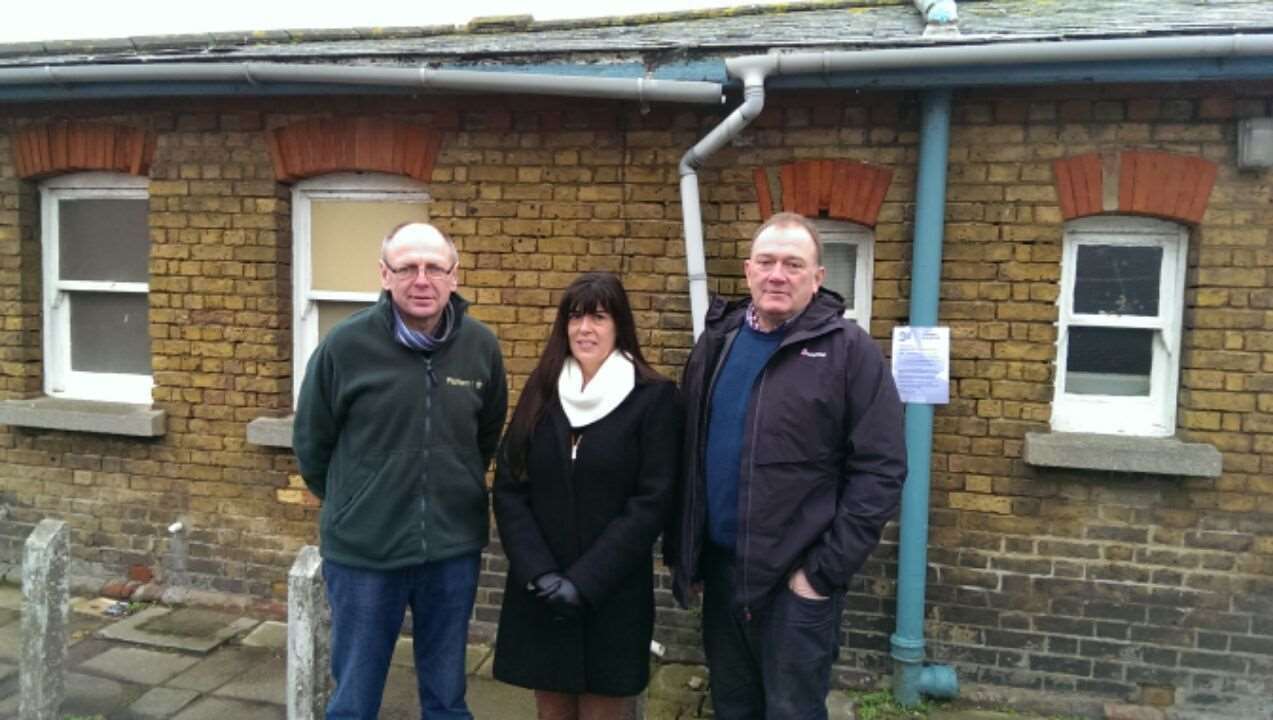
<point x="978" y="484"/>
<point x="981" y="503"/>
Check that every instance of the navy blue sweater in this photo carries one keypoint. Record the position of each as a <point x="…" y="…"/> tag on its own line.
<point x="747" y="357"/>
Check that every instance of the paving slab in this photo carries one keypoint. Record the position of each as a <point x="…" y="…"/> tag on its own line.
<point x="217" y="669"/>
<point x="11" y="597"/>
<point x="219" y="708"/>
<point x="90" y="695"/>
<point x="266" y="682"/>
<point x="11" y="641"/>
<point x="162" y="702"/>
<point x="401" y="699"/>
<point x="189" y="629"/>
<point x="491" y="699"/>
<point x="403" y="653"/>
<point x="474" y="656"/>
<point x="269" y="634"/>
<point x="138" y="665"/>
<point x="488" y="699"/>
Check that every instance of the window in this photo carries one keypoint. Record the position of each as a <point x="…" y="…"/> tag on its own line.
<point x="96" y="249"/>
<point x="847" y="254"/>
<point x="1118" y="340"/>
<point x="338" y="223"/>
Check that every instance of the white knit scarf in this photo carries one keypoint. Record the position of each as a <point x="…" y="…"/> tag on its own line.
<point x="585" y="405"/>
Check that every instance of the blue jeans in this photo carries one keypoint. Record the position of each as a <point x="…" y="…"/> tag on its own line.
<point x="775" y="666"/>
<point x="367" y="611"/>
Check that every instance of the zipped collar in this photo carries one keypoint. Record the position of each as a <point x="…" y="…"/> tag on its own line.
<point x="821" y="316"/>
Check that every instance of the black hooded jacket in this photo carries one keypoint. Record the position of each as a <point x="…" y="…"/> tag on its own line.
<point x="823" y="461"/>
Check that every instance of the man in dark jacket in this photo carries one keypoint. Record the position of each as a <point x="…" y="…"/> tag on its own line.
<point x="795" y="458"/>
<point x="398" y="417"/>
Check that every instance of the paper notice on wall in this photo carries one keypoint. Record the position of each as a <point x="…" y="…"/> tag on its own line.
<point x="921" y="364"/>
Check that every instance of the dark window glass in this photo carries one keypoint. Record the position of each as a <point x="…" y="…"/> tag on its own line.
<point x="1109" y="361"/>
<point x="1117" y="280"/>
<point x="103" y="240"/>
<point x="109" y="332"/>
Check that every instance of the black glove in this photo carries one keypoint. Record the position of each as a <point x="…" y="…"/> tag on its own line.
<point x="545" y="584"/>
<point x="560" y="593"/>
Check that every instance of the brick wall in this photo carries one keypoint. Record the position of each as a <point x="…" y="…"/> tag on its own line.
<point x="1144" y="589"/>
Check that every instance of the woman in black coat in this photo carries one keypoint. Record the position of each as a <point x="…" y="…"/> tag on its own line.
<point x="585" y="479"/>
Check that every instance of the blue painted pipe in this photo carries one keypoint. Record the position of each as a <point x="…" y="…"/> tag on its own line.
<point x="911" y="678"/>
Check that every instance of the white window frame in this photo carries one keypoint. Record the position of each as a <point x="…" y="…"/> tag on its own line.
<point x="59" y="379"/>
<point x="840" y="232"/>
<point x="366" y="187"/>
<point x="1155" y="414"/>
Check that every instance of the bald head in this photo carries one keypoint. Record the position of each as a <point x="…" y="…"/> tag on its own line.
<point x="421" y="232"/>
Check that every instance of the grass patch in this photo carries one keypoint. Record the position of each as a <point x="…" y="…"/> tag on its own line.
<point x="880" y="705"/>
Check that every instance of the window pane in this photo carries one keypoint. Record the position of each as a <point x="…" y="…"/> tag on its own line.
<point x="330" y="313"/>
<point x="109" y="332"/>
<point x="1117" y="280"/>
<point x="346" y="237"/>
<point x="841" y="261"/>
<point x="103" y="240"/>
<point x="1109" y="361"/>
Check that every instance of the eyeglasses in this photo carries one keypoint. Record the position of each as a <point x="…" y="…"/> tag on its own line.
<point x="432" y="272"/>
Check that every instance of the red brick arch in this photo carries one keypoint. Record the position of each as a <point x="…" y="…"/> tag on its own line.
<point x="317" y="147"/>
<point x="74" y="146"/>
<point x="1135" y="182"/>
<point x="843" y="189"/>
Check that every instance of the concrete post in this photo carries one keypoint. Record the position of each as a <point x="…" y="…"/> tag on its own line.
<point x="45" y="595"/>
<point x="308" y="638"/>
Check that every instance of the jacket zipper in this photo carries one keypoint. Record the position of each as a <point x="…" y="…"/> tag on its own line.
<point x="430" y="382"/>
<point x="751" y="471"/>
<point x="744" y="522"/>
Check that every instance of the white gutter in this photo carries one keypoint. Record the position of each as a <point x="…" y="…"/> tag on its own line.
<point x="753" y="103"/>
<point x="755" y="69"/>
<point x="639" y="89"/>
<point x="1015" y="53"/>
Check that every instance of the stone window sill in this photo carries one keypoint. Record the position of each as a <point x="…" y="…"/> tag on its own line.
<point x="1120" y="453"/>
<point x="107" y="418"/>
<point x="271" y="432"/>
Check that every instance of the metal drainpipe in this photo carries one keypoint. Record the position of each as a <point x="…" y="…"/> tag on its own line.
<point x="692" y="219"/>
<point x="911" y="678"/>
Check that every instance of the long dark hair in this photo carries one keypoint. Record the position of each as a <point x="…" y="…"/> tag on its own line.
<point x="589" y="293"/>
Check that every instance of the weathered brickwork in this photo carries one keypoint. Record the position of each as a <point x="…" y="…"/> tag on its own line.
<point x="1154" y="590"/>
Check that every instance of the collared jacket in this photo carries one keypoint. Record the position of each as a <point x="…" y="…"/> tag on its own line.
<point x="592" y="514"/>
<point x="396" y="441"/>
<point x="823" y="457"/>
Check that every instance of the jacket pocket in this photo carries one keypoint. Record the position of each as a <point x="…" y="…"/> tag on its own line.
<point x="373" y="519"/>
<point x="361" y="480"/>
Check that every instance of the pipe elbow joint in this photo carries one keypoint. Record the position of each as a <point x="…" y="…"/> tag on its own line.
<point x="690" y="163"/>
<point x="939" y="681"/>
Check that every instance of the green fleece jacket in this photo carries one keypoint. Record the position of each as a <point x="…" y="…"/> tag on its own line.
<point x="396" y="441"/>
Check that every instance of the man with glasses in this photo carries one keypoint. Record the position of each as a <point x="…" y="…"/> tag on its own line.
<point x="794" y="461"/>
<point x="397" y="420"/>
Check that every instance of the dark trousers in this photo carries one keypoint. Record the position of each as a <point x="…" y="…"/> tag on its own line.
<point x="775" y="666"/>
<point x="367" y="611"/>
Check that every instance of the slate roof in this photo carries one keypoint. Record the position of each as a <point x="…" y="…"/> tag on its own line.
<point x="659" y="38"/>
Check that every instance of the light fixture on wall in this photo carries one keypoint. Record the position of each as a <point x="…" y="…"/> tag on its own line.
<point x="1255" y="143"/>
